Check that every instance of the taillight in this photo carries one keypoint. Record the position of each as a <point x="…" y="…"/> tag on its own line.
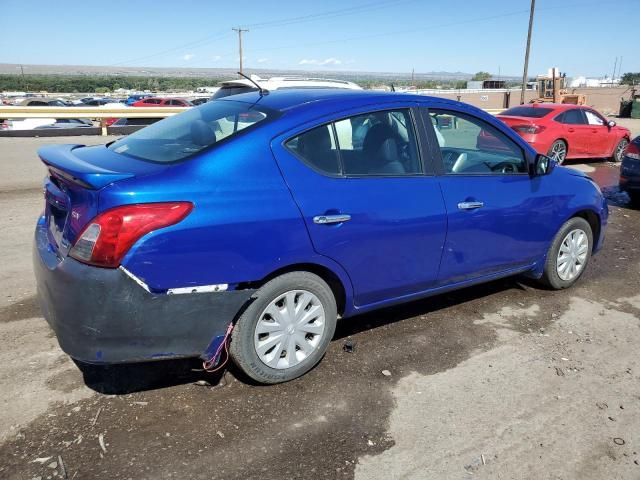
<point x="632" y="151"/>
<point x="110" y="235"/>
<point x="530" y="129"/>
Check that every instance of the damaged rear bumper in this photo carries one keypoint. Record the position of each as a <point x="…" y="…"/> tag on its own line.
<point x="102" y="315"/>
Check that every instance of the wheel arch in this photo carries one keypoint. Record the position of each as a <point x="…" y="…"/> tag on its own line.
<point x="594" y="222"/>
<point x="340" y="287"/>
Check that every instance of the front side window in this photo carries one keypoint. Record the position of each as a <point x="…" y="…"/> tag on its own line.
<point x="593" y="118"/>
<point x="183" y="135"/>
<point x="471" y="146"/>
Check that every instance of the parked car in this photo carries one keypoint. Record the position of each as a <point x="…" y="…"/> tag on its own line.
<point x="25" y="123"/>
<point x="162" y="102"/>
<point x="102" y="102"/>
<point x="139" y="96"/>
<point x="243" y="85"/>
<point x="565" y="131"/>
<point x="44" y="123"/>
<point x="42" y="102"/>
<point x="258" y="220"/>
<point x="128" y="122"/>
<point x="199" y="101"/>
<point x="630" y="171"/>
<point x="68" y="123"/>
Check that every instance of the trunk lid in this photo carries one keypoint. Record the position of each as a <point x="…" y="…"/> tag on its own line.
<point x="511" y="121"/>
<point x="71" y="189"/>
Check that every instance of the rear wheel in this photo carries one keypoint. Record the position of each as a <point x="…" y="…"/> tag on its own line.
<point x="287" y="328"/>
<point x="569" y="254"/>
<point x="558" y="151"/>
<point x="618" y="152"/>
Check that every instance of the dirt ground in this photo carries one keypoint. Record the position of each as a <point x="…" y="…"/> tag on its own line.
<point x="504" y="380"/>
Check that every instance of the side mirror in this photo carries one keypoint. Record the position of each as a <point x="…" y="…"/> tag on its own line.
<point x="542" y="165"/>
<point x="611" y="124"/>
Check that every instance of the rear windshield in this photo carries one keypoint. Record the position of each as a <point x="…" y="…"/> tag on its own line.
<point x="235" y="90"/>
<point x="533" y="112"/>
<point x="180" y="136"/>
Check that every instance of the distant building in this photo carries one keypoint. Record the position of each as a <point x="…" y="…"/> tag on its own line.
<point x="581" y="81"/>
<point x="485" y="84"/>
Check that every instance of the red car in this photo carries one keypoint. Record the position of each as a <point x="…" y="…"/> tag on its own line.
<point x="162" y="102"/>
<point x="564" y="131"/>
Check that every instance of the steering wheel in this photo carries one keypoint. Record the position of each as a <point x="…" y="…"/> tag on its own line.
<point x="504" y="167"/>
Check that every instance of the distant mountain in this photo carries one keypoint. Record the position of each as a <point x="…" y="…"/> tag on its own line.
<point x="219" y="73"/>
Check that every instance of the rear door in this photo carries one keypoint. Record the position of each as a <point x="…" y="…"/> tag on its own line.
<point x="497" y="214"/>
<point x="576" y="131"/>
<point x="368" y="201"/>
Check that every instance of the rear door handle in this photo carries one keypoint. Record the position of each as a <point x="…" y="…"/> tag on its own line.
<point x="571" y="130"/>
<point x="470" y="205"/>
<point x="329" y="219"/>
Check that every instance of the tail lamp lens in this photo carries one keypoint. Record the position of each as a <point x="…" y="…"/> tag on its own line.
<point x="530" y="129"/>
<point x="633" y="151"/>
<point x="110" y="235"/>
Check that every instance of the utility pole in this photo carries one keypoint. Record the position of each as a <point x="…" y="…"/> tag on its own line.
<point x="240" y="30"/>
<point x="613" y="77"/>
<point x="620" y="67"/>
<point x="526" y="55"/>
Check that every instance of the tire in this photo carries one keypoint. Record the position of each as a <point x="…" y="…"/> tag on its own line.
<point x="618" y="152"/>
<point x="553" y="264"/>
<point x="634" y="197"/>
<point x="558" y="151"/>
<point x="251" y="349"/>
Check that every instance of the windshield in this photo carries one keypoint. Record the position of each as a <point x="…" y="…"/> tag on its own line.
<point x="533" y="112"/>
<point x="180" y="136"/>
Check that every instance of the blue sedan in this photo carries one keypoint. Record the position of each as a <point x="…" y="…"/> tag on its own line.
<point x="245" y="227"/>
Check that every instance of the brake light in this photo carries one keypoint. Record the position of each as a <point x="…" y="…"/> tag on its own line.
<point x="632" y="151"/>
<point x="110" y="235"/>
<point x="530" y="129"/>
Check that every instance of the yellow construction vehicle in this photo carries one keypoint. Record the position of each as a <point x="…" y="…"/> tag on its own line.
<point x="552" y="89"/>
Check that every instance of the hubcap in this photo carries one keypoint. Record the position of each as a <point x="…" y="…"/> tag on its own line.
<point x="558" y="152"/>
<point x="572" y="255"/>
<point x="620" y="150"/>
<point x="289" y="329"/>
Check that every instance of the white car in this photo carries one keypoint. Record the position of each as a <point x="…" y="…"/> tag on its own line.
<point x="242" y="85"/>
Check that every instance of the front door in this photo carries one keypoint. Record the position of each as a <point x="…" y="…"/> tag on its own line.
<point x="360" y="184"/>
<point x="498" y="215"/>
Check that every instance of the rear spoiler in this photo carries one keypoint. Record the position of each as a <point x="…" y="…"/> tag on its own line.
<point x="63" y="163"/>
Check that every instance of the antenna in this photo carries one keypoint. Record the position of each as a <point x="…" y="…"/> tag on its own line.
<point x="263" y="91"/>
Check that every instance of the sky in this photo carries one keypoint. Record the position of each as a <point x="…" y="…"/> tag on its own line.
<point x="578" y="37"/>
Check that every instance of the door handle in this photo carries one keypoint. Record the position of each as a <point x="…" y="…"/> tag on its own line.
<point x="470" y="205"/>
<point x="571" y="130"/>
<point x="329" y="219"/>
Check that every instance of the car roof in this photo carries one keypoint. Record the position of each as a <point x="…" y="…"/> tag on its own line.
<point x="291" y="99"/>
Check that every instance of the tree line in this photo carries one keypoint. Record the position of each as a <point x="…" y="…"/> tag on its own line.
<point x="99" y="83"/>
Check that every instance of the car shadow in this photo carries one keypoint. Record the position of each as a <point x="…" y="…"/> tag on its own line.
<point x="122" y="379"/>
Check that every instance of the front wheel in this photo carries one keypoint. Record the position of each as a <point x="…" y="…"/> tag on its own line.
<point x="558" y="151"/>
<point x="286" y="329"/>
<point x="569" y="254"/>
<point x="618" y="152"/>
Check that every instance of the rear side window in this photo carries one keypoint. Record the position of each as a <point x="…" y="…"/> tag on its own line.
<point x="571" y="117"/>
<point x="317" y="148"/>
<point x="532" y="112"/>
<point x="183" y="135"/>
<point x="373" y="144"/>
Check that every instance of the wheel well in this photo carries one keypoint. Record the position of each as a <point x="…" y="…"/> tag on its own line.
<point x="323" y="272"/>
<point x="594" y="223"/>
